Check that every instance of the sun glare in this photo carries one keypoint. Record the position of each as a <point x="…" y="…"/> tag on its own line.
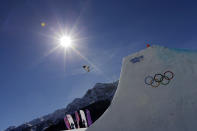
<point x="65" y="41"/>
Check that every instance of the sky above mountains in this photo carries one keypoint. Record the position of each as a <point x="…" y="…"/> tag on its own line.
<point x="37" y="78"/>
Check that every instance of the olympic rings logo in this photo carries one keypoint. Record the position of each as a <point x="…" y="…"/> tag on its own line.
<point x="158" y="79"/>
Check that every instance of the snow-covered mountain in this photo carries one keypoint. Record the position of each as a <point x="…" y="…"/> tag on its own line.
<point x="101" y="91"/>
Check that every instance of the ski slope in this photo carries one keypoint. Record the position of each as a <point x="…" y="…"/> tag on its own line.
<point x="137" y="106"/>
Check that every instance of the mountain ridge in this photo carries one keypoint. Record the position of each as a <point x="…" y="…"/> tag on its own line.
<point x="101" y="91"/>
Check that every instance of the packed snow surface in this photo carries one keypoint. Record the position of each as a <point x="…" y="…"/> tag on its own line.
<point x="137" y="106"/>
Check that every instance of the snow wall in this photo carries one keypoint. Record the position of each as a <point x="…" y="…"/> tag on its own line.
<point x="137" y="106"/>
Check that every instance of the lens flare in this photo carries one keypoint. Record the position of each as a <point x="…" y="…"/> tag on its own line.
<point x="43" y="24"/>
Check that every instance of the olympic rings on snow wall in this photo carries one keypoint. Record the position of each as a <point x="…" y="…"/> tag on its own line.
<point x="158" y="79"/>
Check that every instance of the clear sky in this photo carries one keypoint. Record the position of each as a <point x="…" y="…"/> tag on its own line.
<point x="37" y="78"/>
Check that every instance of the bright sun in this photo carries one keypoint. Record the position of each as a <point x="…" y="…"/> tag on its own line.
<point x="65" y="41"/>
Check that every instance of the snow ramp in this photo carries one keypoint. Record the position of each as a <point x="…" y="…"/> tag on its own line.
<point x="157" y="91"/>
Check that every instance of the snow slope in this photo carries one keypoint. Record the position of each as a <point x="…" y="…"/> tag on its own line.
<point x="139" y="107"/>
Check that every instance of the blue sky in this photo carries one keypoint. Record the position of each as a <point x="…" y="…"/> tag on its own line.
<point x="35" y="81"/>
